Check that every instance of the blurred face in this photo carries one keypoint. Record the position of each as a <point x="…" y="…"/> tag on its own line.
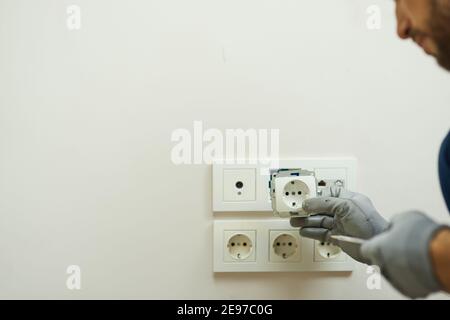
<point x="426" y="22"/>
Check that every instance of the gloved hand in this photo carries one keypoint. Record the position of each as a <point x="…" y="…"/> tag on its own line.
<point x="402" y="253"/>
<point x="342" y="213"/>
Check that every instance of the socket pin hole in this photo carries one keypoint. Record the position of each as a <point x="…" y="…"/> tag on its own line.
<point x="232" y="244"/>
<point x="287" y="193"/>
<point x="299" y="192"/>
<point x="290" y="244"/>
<point x="239" y="184"/>
<point x="322" y="243"/>
<point x="293" y="193"/>
<point x="278" y="244"/>
<point x="292" y="182"/>
<point x="322" y="183"/>
<point x="244" y="244"/>
<point x="328" y="254"/>
<point x="293" y="204"/>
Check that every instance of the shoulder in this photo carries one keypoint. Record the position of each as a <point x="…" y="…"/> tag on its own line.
<point x="445" y="151"/>
<point x="444" y="169"/>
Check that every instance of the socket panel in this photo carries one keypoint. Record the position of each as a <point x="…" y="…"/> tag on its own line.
<point x="256" y="198"/>
<point x="266" y="232"/>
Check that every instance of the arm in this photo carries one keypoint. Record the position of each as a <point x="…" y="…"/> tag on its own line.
<point x="440" y="256"/>
<point x="411" y="254"/>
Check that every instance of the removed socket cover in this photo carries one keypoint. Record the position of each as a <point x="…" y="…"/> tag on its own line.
<point x="289" y="188"/>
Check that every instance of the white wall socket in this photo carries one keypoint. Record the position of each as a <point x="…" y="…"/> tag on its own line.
<point x="245" y="187"/>
<point x="285" y="246"/>
<point x="239" y="246"/>
<point x="326" y="251"/>
<point x="290" y="192"/>
<point x="272" y="245"/>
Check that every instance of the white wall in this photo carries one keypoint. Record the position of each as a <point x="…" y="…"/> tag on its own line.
<point x="86" y="118"/>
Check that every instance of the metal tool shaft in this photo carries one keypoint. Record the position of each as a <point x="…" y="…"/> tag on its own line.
<point x="347" y="239"/>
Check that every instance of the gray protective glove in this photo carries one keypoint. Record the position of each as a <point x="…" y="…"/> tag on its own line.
<point x="403" y="256"/>
<point x="341" y="213"/>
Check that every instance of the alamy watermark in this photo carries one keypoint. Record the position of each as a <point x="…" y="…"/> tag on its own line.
<point x="73" y="21"/>
<point x="374" y="279"/>
<point x="374" y="17"/>
<point x="73" y="281"/>
<point x="230" y="146"/>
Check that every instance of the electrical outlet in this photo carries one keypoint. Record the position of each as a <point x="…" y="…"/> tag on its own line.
<point x="261" y="252"/>
<point x="239" y="185"/>
<point x="324" y="184"/>
<point x="239" y="246"/>
<point x="253" y="193"/>
<point x="289" y="189"/>
<point x="285" y="246"/>
<point x="326" y="251"/>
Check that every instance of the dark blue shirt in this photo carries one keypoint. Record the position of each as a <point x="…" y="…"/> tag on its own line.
<point x="444" y="169"/>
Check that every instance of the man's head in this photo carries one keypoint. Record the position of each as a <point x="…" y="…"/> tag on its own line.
<point x="427" y="22"/>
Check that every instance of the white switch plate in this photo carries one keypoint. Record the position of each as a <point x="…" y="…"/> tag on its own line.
<point x="265" y="232"/>
<point x="256" y="198"/>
